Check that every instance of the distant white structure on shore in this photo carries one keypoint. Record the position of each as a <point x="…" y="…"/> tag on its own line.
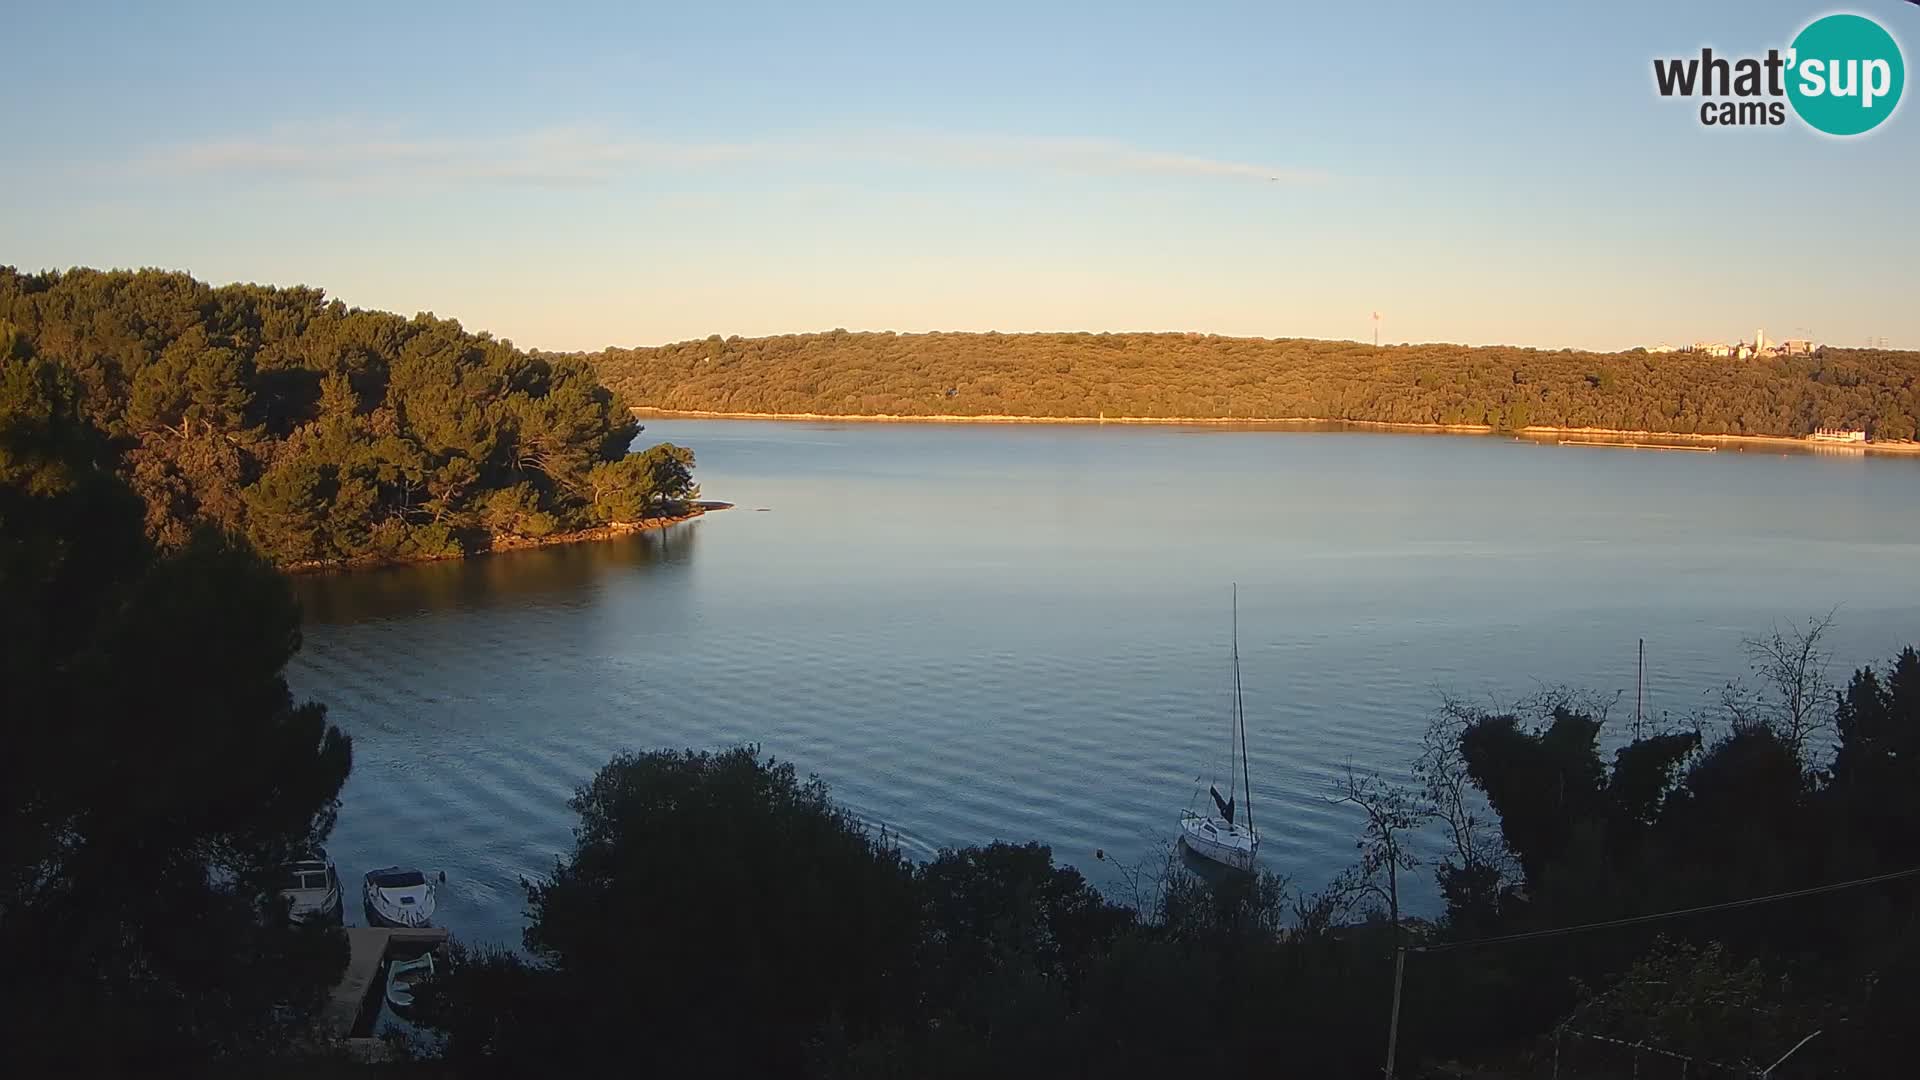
<point x="1745" y="350"/>
<point x="1838" y="435"/>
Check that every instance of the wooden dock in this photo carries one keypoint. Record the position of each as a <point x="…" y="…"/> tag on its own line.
<point x="355" y="999"/>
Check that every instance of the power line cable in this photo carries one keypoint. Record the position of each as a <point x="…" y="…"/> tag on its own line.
<point x="1400" y="954"/>
<point x="1633" y="920"/>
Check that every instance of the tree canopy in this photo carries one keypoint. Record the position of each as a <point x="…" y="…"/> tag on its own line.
<point x="329" y="434"/>
<point x="1208" y="376"/>
<point x="1690" y="818"/>
<point x="716" y="910"/>
<point x="158" y="772"/>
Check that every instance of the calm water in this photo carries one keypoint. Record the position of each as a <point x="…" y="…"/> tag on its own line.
<point x="1022" y="632"/>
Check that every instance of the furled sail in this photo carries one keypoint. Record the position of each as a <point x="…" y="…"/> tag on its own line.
<point x="1225" y="805"/>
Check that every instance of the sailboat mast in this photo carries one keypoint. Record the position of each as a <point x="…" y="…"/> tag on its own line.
<point x="1639" y="689"/>
<point x="1240" y="708"/>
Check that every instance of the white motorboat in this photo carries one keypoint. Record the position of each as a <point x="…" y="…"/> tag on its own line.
<point x="405" y="976"/>
<point x="311" y="888"/>
<point x="398" y="896"/>
<point x="1218" y="837"/>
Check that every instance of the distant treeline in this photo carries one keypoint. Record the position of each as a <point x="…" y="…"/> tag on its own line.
<point x="330" y="434"/>
<point x="1193" y="375"/>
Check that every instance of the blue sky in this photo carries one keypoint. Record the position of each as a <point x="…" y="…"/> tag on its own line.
<point x="633" y="173"/>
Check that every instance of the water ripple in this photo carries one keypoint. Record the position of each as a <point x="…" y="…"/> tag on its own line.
<point x="1004" y="638"/>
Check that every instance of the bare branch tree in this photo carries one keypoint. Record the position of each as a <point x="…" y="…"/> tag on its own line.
<point x="1144" y="881"/>
<point x="1795" y="699"/>
<point x="1544" y="703"/>
<point x="1441" y="772"/>
<point x="1392" y="811"/>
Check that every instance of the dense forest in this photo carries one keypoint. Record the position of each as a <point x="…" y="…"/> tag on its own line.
<point x="328" y="434"/>
<point x="1206" y="376"/>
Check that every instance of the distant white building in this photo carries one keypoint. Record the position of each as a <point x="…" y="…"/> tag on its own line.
<point x="1761" y="345"/>
<point x="1839" y="435"/>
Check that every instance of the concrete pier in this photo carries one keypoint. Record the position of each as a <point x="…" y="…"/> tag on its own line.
<point x="356" y="995"/>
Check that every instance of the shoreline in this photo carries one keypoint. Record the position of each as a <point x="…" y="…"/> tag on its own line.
<point x="1531" y="432"/>
<point x="516" y="543"/>
<point x="1683" y="438"/>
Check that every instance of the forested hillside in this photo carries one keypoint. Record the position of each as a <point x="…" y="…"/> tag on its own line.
<point x="1192" y="375"/>
<point x="329" y="434"/>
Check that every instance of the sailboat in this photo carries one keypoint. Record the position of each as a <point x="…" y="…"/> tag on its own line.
<point x="1219" y="837"/>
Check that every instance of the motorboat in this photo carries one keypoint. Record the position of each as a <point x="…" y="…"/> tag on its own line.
<point x="399" y="896"/>
<point x="406" y="976"/>
<point x="311" y="888"/>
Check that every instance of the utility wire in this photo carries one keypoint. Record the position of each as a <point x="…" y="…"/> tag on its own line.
<point x="1633" y="920"/>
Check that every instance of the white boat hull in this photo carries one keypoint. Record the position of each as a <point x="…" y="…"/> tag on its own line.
<point x="315" y="892"/>
<point x="405" y="903"/>
<point x="403" y="976"/>
<point x="1215" y="839"/>
<point x="327" y="911"/>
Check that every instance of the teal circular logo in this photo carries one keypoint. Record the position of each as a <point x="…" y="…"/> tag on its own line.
<point x="1846" y="74"/>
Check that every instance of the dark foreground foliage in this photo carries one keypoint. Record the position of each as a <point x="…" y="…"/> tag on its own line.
<point x="157" y="772"/>
<point x="1204" y="375"/>
<point x="719" y="917"/>
<point x="1677" y="820"/>
<point x="328" y="434"/>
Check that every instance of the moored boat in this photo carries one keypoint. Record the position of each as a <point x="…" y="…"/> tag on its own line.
<point x="311" y="889"/>
<point x="1218" y="837"/>
<point x="1220" y="840"/>
<point x="399" y="897"/>
<point x="405" y="976"/>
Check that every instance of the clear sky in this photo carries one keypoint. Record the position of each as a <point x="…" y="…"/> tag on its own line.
<point x="579" y="175"/>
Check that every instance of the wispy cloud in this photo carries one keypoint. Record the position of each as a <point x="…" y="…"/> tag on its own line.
<point x="570" y="156"/>
<point x="1068" y="152"/>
